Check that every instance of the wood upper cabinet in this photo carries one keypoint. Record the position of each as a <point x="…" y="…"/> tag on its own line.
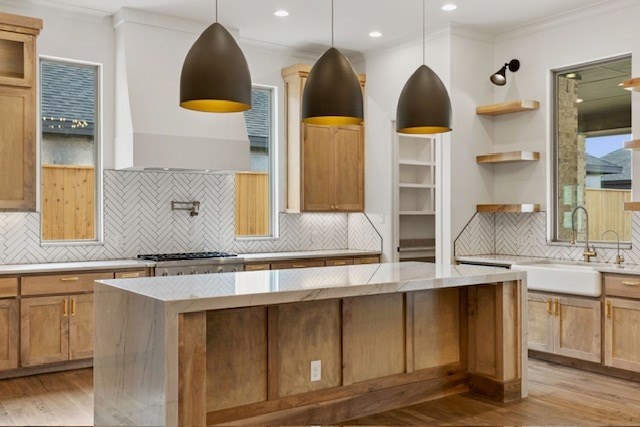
<point x="325" y="165"/>
<point x="622" y="334"/>
<point x="8" y="334"/>
<point x="18" y="112"/>
<point x="567" y="326"/>
<point x="333" y="169"/>
<point x="45" y="330"/>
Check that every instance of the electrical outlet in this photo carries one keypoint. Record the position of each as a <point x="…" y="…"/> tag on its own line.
<point x="316" y="370"/>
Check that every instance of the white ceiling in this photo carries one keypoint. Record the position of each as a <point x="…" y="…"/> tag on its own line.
<point x="308" y="25"/>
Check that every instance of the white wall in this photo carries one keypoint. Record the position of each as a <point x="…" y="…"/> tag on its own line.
<point x="597" y="33"/>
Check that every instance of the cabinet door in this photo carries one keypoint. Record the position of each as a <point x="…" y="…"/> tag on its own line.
<point x="622" y="334"/>
<point x="17" y="59"/>
<point x="45" y="330"/>
<point x="8" y="334"/>
<point x="540" y="322"/>
<point x="81" y="326"/>
<point x="577" y="329"/>
<point x="348" y="169"/>
<point x="17" y="149"/>
<point x="317" y="168"/>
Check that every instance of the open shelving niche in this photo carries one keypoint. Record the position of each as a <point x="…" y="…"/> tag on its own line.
<point x="415" y="201"/>
<point x="508" y="107"/>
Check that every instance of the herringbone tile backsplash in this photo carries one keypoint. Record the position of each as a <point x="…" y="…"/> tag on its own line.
<point x="138" y="219"/>
<point x="525" y="234"/>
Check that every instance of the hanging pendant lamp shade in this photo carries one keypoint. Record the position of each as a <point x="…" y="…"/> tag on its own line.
<point x="215" y="75"/>
<point x="424" y="106"/>
<point x="332" y="95"/>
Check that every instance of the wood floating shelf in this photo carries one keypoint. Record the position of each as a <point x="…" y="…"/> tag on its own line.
<point x="508" y="107"/>
<point x="632" y="145"/>
<point x="632" y="206"/>
<point x="509" y="157"/>
<point x="526" y="207"/>
<point x="632" y="84"/>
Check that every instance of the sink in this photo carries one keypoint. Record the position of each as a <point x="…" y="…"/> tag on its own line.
<point x="573" y="279"/>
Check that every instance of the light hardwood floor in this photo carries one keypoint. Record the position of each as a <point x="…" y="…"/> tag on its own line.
<point x="557" y="396"/>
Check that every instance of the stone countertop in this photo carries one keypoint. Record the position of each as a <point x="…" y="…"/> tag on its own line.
<point x="509" y="260"/>
<point x="245" y="289"/>
<point x="15" y="269"/>
<point x="279" y="256"/>
<point x="61" y="267"/>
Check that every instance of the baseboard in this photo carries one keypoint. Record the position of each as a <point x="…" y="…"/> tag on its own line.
<point x="48" y="368"/>
<point x="585" y="365"/>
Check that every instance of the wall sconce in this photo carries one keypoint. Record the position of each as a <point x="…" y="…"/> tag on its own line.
<point x="192" y="207"/>
<point x="499" y="78"/>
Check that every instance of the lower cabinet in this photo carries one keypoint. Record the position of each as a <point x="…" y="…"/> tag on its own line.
<point x="622" y="334"/>
<point x="56" y="329"/>
<point x="8" y="334"/>
<point x="566" y="326"/>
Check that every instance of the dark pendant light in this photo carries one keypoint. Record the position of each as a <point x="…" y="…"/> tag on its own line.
<point x="500" y="76"/>
<point x="424" y="106"/>
<point x="332" y="94"/>
<point x="215" y="74"/>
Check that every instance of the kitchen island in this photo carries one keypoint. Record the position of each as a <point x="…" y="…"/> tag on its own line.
<point x="313" y="346"/>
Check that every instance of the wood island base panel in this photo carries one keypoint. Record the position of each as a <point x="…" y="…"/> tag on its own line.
<point x="313" y="346"/>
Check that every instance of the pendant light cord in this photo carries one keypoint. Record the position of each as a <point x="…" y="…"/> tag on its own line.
<point x="424" y="34"/>
<point x="216" y="10"/>
<point x="332" y="19"/>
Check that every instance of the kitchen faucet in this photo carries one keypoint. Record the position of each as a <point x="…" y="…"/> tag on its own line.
<point x="588" y="252"/>
<point x="619" y="258"/>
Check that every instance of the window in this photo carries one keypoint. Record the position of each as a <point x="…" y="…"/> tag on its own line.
<point x="255" y="189"/>
<point x="592" y="169"/>
<point x="70" y="174"/>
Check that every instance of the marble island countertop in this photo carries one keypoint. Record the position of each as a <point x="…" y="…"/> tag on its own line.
<point x="509" y="260"/>
<point x="242" y="289"/>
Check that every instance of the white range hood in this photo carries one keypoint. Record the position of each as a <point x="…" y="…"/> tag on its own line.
<point x="152" y="131"/>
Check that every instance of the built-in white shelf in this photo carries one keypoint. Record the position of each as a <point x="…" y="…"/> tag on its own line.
<point x="417" y="213"/>
<point x="417" y="186"/>
<point x="415" y="163"/>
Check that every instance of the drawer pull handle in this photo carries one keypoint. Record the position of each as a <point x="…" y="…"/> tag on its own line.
<point x="73" y="306"/>
<point x="549" y="309"/>
<point x="340" y="263"/>
<point x="630" y="283"/>
<point x="608" y="309"/>
<point x="299" y="266"/>
<point x="556" y="309"/>
<point x="64" y="307"/>
<point x="69" y="279"/>
<point x="129" y="275"/>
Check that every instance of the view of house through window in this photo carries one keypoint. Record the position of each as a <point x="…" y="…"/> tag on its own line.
<point x="254" y="189"/>
<point x="68" y="111"/>
<point x="593" y="120"/>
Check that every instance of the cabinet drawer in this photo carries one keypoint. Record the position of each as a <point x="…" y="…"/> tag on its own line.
<point x="257" y="267"/>
<point x="8" y="287"/>
<point x="367" y="260"/>
<point x="296" y="264"/>
<point x="61" y="283"/>
<point x="622" y="285"/>
<point x="131" y="274"/>
<point x="336" y="262"/>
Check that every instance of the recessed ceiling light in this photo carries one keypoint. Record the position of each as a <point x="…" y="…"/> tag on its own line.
<point x="375" y="34"/>
<point x="281" y="13"/>
<point x="579" y="100"/>
<point x="449" y="7"/>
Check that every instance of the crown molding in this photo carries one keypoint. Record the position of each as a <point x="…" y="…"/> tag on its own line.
<point x="565" y="18"/>
<point x="63" y="9"/>
<point x="310" y="54"/>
